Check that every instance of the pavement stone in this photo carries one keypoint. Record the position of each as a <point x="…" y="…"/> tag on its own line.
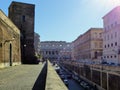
<point x="21" y="77"/>
<point x="53" y="81"/>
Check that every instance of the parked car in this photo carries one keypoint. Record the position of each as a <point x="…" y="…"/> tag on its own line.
<point x="62" y="77"/>
<point x="75" y="77"/>
<point x="66" y="82"/>
<point x="69" y="76"/>
<point x="85" y="85"/>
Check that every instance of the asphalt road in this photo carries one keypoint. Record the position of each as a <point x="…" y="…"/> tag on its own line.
<point x="73" y="85"/>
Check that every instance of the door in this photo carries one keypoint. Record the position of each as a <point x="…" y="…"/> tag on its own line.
<point x="10" y="54"/>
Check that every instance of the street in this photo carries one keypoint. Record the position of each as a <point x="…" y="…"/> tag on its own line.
<point x="73" y="85"/>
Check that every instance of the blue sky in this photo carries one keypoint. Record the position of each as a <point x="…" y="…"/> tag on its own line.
<point x="65" y="20"/>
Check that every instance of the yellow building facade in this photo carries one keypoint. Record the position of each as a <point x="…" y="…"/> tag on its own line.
<point x="9" y="42"/>
<point x="88" y="46"/>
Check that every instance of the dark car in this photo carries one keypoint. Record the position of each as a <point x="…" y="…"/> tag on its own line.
<point x="85" y="85"/>
<point x="69" y="76"/>
<point x="66" y="82"/>
<point x="62" y="77"/>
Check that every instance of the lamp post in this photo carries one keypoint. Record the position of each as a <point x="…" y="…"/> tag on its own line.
<point x="24" y="53"/>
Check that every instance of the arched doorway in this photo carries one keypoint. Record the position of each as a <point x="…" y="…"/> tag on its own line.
<point x="10" y="53"/>
<point x="1" y="46"/>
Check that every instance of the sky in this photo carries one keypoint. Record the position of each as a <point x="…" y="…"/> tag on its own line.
<point x="65" y="20"/>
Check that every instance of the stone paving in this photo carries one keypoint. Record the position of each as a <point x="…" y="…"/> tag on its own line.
<point x="20" y="77"/>
<point x="53" y="81"/>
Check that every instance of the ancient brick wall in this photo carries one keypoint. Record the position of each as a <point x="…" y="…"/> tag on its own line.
<point x="22" y="14"/>
<point x="9" y="42"/>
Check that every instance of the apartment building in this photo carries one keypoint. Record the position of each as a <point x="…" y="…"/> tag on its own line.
<point x="88" y="46"/>
<point x="111" y="34"/>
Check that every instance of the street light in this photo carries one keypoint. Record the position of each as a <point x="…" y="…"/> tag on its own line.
<point x="24" y="52"/>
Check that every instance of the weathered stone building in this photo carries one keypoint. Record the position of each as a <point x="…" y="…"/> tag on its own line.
<point x="55" y="50"/>
<point x="22" y="14"/>
<point x="10" y="51"/>
<point x="89" y="45"/>
<point x="65" y="53"/>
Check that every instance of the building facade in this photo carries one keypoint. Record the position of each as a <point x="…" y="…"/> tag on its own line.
<point x="22" y="14"/>
<point x="66" y="52"/>
<point x="10" y="51"/>
<point x="88" y="46"/>
<point x="55" y="50"/>
<point x="111" y="40"/>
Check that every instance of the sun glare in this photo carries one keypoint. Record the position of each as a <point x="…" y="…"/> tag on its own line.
<point x="114" y="2"/>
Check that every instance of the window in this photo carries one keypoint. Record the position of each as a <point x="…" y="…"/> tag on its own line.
<point x="111" y="56"/>
<point x="52" y="52"/>
<point x="104" y="56"/>
<point x="111" y="44"/>
<point x="108" y="45"/>
<point x="60" y="45"/>
<point x="105" y="46"/>
<point x="23" y="18"/>
<point x="115" y="43"/>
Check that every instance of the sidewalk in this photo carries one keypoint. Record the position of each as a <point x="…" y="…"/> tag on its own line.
<point x="20" y="77"/>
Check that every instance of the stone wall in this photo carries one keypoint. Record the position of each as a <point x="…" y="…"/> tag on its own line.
<point x="22" y="14"/>
<point x="9" y="42"/>
<point x="103" y="76"/>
